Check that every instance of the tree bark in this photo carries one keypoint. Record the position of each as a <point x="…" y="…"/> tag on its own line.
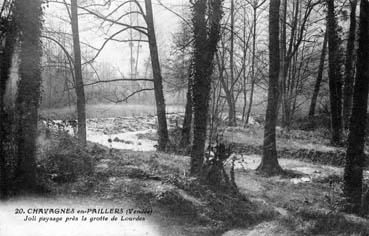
<point x="283" y="65"/>
<point x="158" y="84"/>
<point x="6" y="56"/>
<point x="335" y="88"/>
<point x="28" y="18"/>
<point x="80" y="92"/>
<point x="230" y="97"/>
<point x="205" y="47"/>
<point x="269" y="163"/>
<point x="244" y="52"/>
<point x="348" y="88"/>
<point x="319" y="78"/>
<point x="355" y="157"/>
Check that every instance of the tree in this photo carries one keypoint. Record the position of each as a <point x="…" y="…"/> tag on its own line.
<point x="8" y="39"/>
<point x="206" y="33"/>
<point x="187" y="122"/>
<point x="80" y="92"/>
<point x="28" y="18"/>
<point x="355" y="157"/>
<point x="255" y="6"/>
<point x="335" y="85"/>
<point x="180" y="73"/>
<point x="148" y="31"/>
<point x="269" y="163"/>
<point x="158" y="84"/>
<point x="292" y="53"/>
<point x="349" y="67"/>
<point x="319" y="77"/>
<point x="230" y="98"/>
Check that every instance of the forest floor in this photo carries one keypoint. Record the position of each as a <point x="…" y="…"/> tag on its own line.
<point x="128" y="170"/>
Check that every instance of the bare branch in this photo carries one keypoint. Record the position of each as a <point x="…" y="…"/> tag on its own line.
<point x="175" y="13"/>
<point x="129" y="96"/>
<point x="117" y="80"/>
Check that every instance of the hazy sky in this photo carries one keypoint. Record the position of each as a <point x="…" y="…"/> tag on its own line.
<point x="118" y="53"/>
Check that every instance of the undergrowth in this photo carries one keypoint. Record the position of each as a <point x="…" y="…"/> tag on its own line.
<point x="309" y="221"/>
<point x="61" y="160"/>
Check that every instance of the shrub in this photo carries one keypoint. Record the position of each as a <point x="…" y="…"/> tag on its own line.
<point x="63" y="160"/>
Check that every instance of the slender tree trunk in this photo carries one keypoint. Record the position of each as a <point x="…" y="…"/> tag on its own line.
<point x="231" y="109"/>
<point x="80" y="92"/>
<point x="251" y="100"/>
<point x="187" y="122"/>
<point x="319" y="78"/>
<point x="5" y="62"/>
<point x="28" y="17"/>
<point x="230" y="101"/>
<point x="335" y="88"/>
<point x="348" y="89"/>
<point x="244" y="86"/>
<point x="158" y="84"/>
<point x="252" y="64"/>
<point x="205" y="47"/>
<point x="230" y="97"/>
<point x="355" y="157"/>
<point x="269" y="163"/>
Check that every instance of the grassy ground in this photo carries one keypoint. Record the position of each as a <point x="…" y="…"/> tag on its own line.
<point x="310" y="146"/>
<point x="268" y="206"/>
<point x="306" y="208"/>
<point x="182" y="206"/>
<point x="310" y="198"/>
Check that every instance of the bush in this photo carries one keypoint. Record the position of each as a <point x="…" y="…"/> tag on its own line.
<point x="229" y="209"/>
<point x="320" y="121"/>
<point x="63" y="161"/>
<point x="174" y="144"/>
<point x="176" y="203"/>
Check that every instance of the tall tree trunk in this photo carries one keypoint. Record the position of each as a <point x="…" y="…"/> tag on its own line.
<point x="283" y="65"/>
<point x="269" y="163"/>
<point x="230" y="97"/>
<point x="5" y="62"/>
<point x="187" y="122"/>
<point x="348" y="89"/>
<point x="253" y="74"/>
<point x="355" y="157"/>
<point x="335" y="88"/>
<point x="158" y="80"/>
<point x="319" y="78"/>
<point x="205" y="47"/>
<point x="6" y="57"/>
<point x="244" y="52"/>
<point x="80" y="92"/>
<point x="28" y="18"/>
<point x="201" y="88"/>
